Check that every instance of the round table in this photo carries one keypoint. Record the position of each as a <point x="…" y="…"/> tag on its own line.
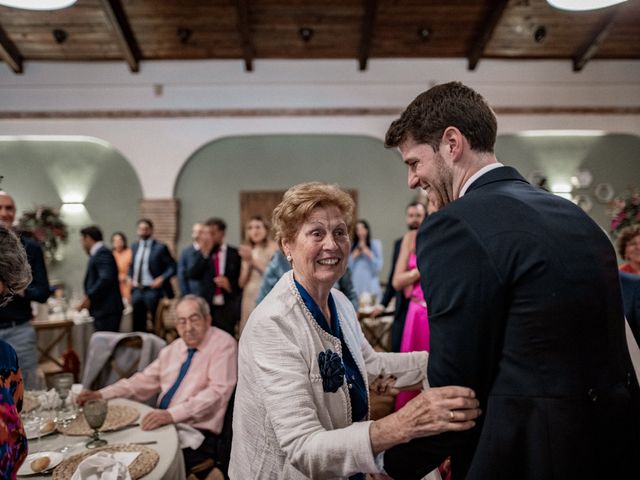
<point x="169" y="467"/>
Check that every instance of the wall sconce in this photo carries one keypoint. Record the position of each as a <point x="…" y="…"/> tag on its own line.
<point x="72" y="207"/>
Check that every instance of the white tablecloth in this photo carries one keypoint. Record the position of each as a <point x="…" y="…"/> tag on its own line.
<point x="169" y="467"/>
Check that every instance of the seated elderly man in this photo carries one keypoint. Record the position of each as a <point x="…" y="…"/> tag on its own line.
<point x="195" y="375"/>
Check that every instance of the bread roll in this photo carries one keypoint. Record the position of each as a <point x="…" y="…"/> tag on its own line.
<point x="40" y="464"/>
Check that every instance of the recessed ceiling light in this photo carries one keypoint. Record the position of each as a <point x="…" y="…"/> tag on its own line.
<point x="581" y="5"/>
<point x="38" y="4"/>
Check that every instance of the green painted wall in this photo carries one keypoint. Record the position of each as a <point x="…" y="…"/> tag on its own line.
<point x="45" y="172"/>
<point x="613" y="158"/>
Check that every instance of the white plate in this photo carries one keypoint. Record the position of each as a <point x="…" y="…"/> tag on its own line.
<point x="55" y="457"/>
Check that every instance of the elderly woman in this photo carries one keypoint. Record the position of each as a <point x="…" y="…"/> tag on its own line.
<point x="302" y="403"/>
<point x="15" y="276"/>
<point x="629" y="249"/>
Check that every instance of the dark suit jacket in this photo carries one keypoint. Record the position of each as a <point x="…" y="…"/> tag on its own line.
<point x="402" y="303"/>
<point x="524" y="307"/>
<point x="102" y="286"/>
<point x="202" y="270"/>
<point x="161" y="263"/>
<point x="19" y="308"/>
<point x="630" y="284"/>
<point x="188" y="257"/>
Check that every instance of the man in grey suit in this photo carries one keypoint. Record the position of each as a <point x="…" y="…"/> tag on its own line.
<point x="524" y="308"/>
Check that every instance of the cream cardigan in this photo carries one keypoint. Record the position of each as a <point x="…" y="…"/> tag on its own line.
<point x="284" y="425"/>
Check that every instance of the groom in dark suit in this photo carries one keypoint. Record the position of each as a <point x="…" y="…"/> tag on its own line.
<point x="150" y="273"/>
<point x="524" y="308"/>
<point x="101" y="284"/>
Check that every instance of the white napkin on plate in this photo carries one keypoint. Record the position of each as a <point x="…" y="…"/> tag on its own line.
<point x="189" y="436"/>
<point x="105" y="466"/>
<point x="48" y="400"/>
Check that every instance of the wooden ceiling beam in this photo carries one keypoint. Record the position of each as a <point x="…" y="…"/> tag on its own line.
<point x="489" y="24"/>
<point x="366" y="39"/>
<point x="589" y="48"/>
<point x="128" y="45"/>
<point x="244" y="30"/>
<point x="9" y="52"/>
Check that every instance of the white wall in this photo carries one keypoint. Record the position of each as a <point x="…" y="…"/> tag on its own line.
<point x="158" y="147"/>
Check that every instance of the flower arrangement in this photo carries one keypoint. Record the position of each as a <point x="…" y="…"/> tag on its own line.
<point x="624" y="212"/>
<point x="46" y="226"/>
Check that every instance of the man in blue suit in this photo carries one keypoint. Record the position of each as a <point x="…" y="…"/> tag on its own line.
<point x="630" y="284"/>
<point x="101" y="285"/>
<point x="150" y="272"/>
<point x="188" y="258"/>
<point x="524" y="308"/>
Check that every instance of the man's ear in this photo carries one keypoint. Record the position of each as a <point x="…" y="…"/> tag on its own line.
<point x="453" y="143"/>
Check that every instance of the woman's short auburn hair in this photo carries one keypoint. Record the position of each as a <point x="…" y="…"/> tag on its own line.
<point x="625" y="236"/>
<point x="299" y="201"/>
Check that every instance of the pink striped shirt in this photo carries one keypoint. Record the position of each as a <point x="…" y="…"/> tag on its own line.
<point x="201" y="400"/>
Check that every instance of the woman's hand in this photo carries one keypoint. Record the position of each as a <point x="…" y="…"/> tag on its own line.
<point x="436" y="410"/>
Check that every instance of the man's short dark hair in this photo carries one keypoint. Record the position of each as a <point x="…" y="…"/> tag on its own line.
<point x="415" y="203"/>
<point x="448" y="105"/>
<point x="145" y="220"/>
<point x="93" y="232"/>
<point x="217" y="222"/>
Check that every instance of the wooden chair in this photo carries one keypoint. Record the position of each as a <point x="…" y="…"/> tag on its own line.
<point x="164" y="324"/>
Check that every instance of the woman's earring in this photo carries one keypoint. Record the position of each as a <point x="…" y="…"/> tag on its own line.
<point x="289" y="258"/>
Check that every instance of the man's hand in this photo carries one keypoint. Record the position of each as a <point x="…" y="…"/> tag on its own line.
<point x="87" y="395"/>
<point x="157" y="282"/>
<point x="377" y="311"/>
<point x="222" y="282"/>
<point x="85" y="303"/>
<point x="156" y="419"/>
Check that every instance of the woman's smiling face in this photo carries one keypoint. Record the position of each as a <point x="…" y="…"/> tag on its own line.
<point x="320" y="249"/>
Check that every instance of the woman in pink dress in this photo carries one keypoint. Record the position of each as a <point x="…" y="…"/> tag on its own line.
<point x="415" y="336"/>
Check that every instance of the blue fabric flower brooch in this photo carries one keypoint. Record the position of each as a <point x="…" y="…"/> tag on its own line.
<point x="331" y="370"/>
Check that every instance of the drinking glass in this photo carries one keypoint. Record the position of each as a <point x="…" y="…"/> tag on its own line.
<point x="62" y="383"/>
<point x="95" y="412"/>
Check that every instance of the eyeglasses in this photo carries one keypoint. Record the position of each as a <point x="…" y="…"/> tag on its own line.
<point x="195" y="320"/>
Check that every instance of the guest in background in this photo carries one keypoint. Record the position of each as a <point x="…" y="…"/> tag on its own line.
<point x="365" y="261"/>
<point x="101" y="285"/>
<point x="629" y="249"/>
<point x="16" y="315"/>
<point x="188" y="257"/>
<point x="195" y="376"/>
<point x="151" y="272"/>
<point x="15" y="276"/>
<point x="406" y="279"/>
<point x="302" y="402"/>
<point x="279" y="266"/>
<point x="217" y="268"/>
<point x="255" y="258"/>
<point x="630" y="284"/>
<point x="414" y="215"/>
<point x="123" y="256"/>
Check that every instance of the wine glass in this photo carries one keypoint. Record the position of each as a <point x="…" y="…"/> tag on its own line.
<point x="62" y="383"/>
<point x="95" y="412"/>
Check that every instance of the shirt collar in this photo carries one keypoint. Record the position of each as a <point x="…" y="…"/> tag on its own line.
<point x="316" y="312"/>
<point x="477" y="175"/>
<point x="95" y="248"/>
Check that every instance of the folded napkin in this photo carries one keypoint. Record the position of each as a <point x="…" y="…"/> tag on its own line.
<point x="48" y="400"/>
<point x="105" y="466"/>
<point x="189" y="436"/>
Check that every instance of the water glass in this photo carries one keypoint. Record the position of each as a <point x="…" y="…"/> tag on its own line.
<point x="95" y="413"/>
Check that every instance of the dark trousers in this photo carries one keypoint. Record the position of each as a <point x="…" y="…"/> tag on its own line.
<point x="107" y="323"/>
<point x="224" y="317"/>
<point x="400" y="316"/>
<point x="208" y="449"/>
<point x="144" y="300"/>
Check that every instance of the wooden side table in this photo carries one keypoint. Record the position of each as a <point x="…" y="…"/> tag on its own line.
<point x="61" y="331"/>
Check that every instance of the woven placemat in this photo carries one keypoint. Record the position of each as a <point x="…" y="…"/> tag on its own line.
<point x="143" y="464"/>
<point x="118" y="416"/>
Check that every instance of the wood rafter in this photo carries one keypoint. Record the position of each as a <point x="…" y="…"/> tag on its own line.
<point x="590" y="47"/>
<point x="9" y="53"/>
<point x="489" y="24"/>
<point x="118" y="19"/>
<point x="248" y="52"/>
<point x="368" y="24"/>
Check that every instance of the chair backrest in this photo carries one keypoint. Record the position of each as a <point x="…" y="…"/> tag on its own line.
<point x="165" y="319"/>
<point x="113" y="356"/>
